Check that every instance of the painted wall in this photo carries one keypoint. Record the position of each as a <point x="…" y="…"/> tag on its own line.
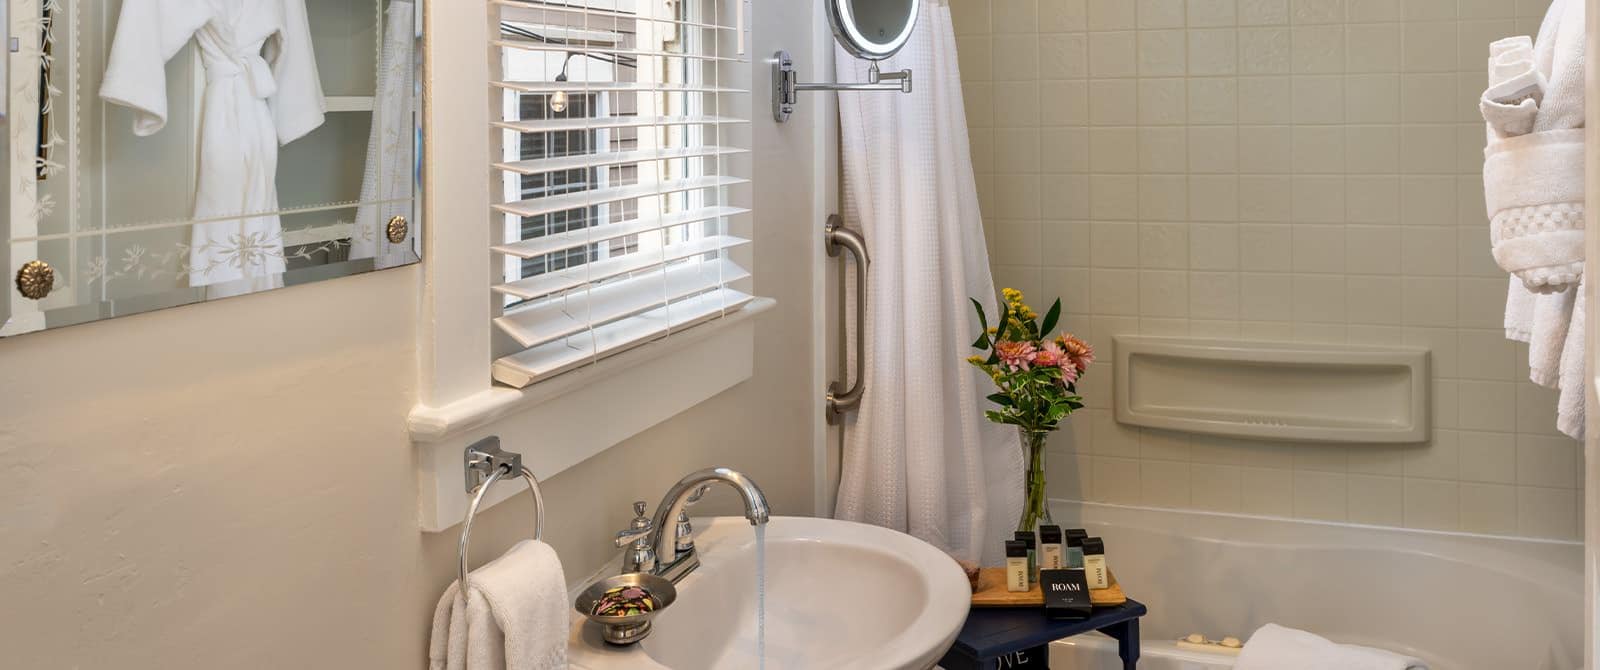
<point x="230" y="485"/>
<point x="1271" y="169"/>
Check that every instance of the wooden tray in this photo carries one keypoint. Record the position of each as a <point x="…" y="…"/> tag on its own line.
<point x="992" y="592"/>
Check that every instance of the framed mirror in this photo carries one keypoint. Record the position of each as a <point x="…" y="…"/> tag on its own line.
<point x="263" y="144"/>
<point x="873" y="29"/>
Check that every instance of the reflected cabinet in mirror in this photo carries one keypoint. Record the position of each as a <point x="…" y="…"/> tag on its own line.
<point x="167" y="152"/>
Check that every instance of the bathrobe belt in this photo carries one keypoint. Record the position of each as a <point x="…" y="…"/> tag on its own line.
<point x="251" y="67"/>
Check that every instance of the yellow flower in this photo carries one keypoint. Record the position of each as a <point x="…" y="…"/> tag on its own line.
<point x="975" y="360"/>
<point x="994" y="331"/>
<point x="1012" y="295"/>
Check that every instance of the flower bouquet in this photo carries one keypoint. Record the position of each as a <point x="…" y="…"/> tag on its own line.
<point x="1036" y="379"/>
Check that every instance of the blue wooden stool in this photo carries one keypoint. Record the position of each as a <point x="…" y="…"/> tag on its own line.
<point x="993" y="636"/>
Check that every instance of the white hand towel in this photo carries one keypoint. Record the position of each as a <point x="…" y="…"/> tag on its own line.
<point x="1274" y="647"/>
<point x="514" y="615"/>
<point x="1520" y="303"/>
<point x="1570" y="406"/>
<point x="1552" y="319"/>
<point x="1533" y="182"/>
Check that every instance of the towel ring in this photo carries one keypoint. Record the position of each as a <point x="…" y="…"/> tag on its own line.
<point x="486" y="463"/>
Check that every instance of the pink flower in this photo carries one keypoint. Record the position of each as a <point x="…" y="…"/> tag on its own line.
<point x="1016" y="355"/>
<point x="1080" y="353"/>
<point x="1069" y="372"/>
<point x="1050" y="356"/>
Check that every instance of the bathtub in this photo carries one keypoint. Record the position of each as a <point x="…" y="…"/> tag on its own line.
<point x="1456" y="600"/>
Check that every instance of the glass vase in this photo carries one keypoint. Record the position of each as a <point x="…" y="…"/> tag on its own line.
<point x="1035" y="506"/>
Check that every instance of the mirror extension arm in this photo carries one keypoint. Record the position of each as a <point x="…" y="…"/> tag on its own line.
<point x="786" y="86"/>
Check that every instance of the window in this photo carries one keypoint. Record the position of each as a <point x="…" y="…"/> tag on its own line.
<point x="623" y="186"/>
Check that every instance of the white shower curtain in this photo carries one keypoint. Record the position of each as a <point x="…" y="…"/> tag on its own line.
<point x="919" y="456"/>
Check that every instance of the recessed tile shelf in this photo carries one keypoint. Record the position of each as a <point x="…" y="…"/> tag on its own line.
<point x="1273" y="391"/>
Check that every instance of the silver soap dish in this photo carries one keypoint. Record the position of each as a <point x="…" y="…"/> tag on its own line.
<point x="630" y="628"/>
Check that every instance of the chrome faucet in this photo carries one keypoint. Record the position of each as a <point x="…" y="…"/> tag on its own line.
<point x="674" y="555"/>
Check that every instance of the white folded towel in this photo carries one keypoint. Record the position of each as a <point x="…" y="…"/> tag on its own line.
<point x="1533" y="174"/>
<point x="514" y="616"/>
<point x="1274" y="647"/>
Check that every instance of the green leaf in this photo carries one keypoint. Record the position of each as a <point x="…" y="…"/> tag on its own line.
<point x="1000" y="399"/>
<point x="983" y="320"/>
<point x="1050" y="318"/>
<point x="983" y="341"/>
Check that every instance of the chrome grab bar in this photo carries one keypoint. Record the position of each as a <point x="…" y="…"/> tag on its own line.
<point x="843" y="398"/>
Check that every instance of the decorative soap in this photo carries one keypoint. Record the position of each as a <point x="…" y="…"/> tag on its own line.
<point x="1066" y="594"/>
<point x="624" y="601"/>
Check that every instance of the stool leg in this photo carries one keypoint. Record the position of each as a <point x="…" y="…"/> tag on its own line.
<point x="1127" y="637"/>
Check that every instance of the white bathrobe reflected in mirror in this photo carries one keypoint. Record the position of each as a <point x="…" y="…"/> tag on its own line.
<point x="262" y="90"/>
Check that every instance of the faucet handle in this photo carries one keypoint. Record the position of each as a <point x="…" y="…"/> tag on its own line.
<point x="641" y="557"/>
<point x="639" y="529"/>
<point x="631" y="535"/>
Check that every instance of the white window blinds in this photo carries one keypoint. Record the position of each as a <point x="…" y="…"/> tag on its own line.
<point x="623" y="139"/>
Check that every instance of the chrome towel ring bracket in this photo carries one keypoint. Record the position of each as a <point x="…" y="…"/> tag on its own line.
<point x="486" y="463"/>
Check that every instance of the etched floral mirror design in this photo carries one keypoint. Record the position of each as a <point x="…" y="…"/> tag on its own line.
<point x="266" y="144"/>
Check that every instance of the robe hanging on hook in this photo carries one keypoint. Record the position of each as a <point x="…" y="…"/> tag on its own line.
<point x="786" y="86"/>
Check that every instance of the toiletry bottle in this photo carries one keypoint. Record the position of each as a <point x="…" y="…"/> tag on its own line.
<point x="1016" y="566"/>
<point x="1075" y="547"/>
<point x="1027" y="538"/>
<point x="1051" y="555"/>
<point x="1094" y="563"/>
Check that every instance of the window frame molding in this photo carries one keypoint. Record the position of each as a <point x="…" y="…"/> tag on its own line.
<point x="457" y="399"/>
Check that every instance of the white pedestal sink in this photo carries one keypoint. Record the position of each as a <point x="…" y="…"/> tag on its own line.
<point x="838" y="595"/>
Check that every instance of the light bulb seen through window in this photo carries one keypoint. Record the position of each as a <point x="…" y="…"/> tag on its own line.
<point x="558" y="101"/>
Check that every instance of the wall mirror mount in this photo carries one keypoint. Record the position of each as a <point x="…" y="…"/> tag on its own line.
<point x="140" y="176"/>
<point x="871" y="30"/>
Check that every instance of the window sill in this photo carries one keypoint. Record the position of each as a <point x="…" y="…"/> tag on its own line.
<point x="572" y="414"/>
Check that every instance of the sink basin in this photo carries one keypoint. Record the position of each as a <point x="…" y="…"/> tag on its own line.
<point x="838" y="595"/>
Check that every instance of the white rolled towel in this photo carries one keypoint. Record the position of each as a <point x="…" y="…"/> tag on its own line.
<point x="1274" y="647"/>
<point x="1516" y="87"/>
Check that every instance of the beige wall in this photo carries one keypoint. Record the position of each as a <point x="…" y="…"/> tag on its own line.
<point x="230" y="485"/>
<point x="1276" y="169"/>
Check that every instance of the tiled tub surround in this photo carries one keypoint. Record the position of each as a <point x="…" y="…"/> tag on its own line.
<point x="1267" y="169"/>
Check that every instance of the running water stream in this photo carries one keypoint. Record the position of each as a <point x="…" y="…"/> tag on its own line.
<point x="761" y="594"/>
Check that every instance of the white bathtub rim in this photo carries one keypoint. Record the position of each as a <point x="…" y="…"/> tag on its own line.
<point x="1502" y="554"/>
<point x="1318" y="522"/>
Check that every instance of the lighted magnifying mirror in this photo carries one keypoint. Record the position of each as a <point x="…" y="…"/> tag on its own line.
<point x="873" y="29"/>
<point x="869" y="29"/>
